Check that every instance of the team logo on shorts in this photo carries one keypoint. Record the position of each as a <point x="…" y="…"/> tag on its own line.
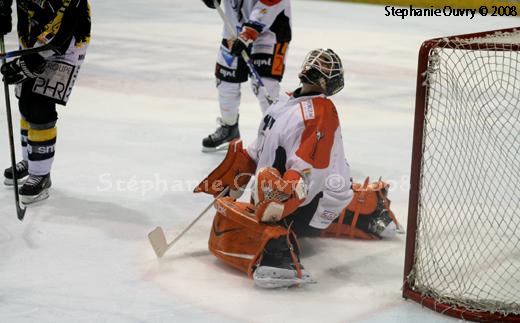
<point x="56" y="81"/>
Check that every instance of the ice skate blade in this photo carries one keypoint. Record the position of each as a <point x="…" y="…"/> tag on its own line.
<point x="10" y="182"/>
<point x="269" y="283"/>
<point x="390" y="231"/>
<point x="271" y="278"/>
<point x="28" y="199"/>
<point x="215" y="149"/>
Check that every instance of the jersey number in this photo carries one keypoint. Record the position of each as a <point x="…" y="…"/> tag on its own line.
<point x="268" y="122"/>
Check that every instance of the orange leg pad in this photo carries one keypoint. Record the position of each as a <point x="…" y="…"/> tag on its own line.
<point x="237" y="238"/>
<point x="337" y="230"/>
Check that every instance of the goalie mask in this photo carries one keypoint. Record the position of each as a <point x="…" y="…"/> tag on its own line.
<point x="322" y="67"/>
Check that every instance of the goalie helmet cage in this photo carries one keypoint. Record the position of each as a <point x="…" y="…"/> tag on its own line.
<point x="463" y="244"/>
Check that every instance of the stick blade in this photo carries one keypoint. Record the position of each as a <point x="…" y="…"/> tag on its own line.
<point x="21" y="213"/>
<point x="158" y="241"/>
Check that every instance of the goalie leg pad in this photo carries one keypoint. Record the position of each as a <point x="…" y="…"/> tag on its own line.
<point x="237" y="237"/>
<point x="234" y="171"/>
<point x="368" y="216"/>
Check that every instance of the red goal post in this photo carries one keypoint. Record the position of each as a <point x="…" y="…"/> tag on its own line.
<point x="463" y="242"/>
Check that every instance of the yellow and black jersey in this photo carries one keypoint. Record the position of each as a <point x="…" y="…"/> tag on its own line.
<point x="40" y="21"/>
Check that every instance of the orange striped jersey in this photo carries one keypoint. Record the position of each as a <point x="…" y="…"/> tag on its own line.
<point x="303" y="133"/>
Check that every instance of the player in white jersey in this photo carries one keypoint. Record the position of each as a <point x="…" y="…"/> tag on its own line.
<point x="264" y="29"/>
<point x="302" y="182"/>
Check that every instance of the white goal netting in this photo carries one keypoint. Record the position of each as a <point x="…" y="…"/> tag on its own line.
<point x="468" y="233"/>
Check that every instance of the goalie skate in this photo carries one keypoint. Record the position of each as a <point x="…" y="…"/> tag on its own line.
<point x="280" y="266"/>
<point x="383" y="226"/>
<point x="274" y="277"/>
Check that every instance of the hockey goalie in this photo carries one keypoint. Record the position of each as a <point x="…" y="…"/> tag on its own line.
<point x="302" y="184"/>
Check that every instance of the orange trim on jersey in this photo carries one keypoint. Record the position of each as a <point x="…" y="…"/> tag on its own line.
<point x="279" y="59"/>
<point x="321" y="122"/>
<point x="270" y="2"/>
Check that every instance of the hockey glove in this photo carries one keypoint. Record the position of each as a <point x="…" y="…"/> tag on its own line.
<point x="246" y="37"/>
<point x="234" y="172"/>
<point x="210" y="3"/>
<point x="22" y="69"/>
<point x="5" y="17"/>
<point x="277" y="197"/>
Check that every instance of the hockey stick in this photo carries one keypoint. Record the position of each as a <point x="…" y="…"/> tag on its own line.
<point x="245" y="56"/>
<point x="20" y="211"/>
<point x="28" y="51"/>
<point x="53" y="44"/>
<point x="158" y="239"/>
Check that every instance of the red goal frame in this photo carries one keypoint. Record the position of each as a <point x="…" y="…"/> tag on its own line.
<point x="415" y="176"/>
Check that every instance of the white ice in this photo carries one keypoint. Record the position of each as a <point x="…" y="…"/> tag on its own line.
<point x="129" y="153"/>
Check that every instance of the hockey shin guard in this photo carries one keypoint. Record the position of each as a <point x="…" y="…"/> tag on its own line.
<point x="229" y="100"/>
<point x="41" y="144"/>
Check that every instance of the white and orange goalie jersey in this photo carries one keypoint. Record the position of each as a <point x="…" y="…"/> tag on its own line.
<point x="303" y="134"/>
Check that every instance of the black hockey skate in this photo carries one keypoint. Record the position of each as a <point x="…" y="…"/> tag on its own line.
<point x="219" y="140"/>
<point x="277" y="268"/>
<point x="35" y="188"/>
<point x="382" y="225"/>
<point x="22" y="170"/>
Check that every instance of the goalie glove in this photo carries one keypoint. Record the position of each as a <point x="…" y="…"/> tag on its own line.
<point x="248" y="34"/>
<point x="23" y="68"/>
<point x="277" y="197"/>
<point x="234" y="172"/>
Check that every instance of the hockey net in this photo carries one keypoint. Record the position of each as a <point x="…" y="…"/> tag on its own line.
<point x="463" y="243"/>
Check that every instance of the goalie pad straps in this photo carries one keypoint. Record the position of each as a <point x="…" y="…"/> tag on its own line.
<point x="359" y="202"/>
<point x="238" y="239"/>
<point x="294" y="257"/>
<point x="364" y="203"/>
<point x="234" y="171"/>
<point x="386" y="202"/>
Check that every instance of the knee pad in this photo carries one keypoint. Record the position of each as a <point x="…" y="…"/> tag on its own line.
<point x="237" y="238"/>
<point x="229" y="100"/>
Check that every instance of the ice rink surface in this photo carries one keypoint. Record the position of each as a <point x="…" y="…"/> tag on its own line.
<point x="128" y="156"/>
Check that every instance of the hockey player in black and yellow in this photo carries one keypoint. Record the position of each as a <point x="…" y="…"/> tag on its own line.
<point x="43" y="80"/>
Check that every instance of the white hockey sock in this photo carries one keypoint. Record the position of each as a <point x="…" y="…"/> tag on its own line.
<point x="41" y="144"/>
<point x="229" y="100"/>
